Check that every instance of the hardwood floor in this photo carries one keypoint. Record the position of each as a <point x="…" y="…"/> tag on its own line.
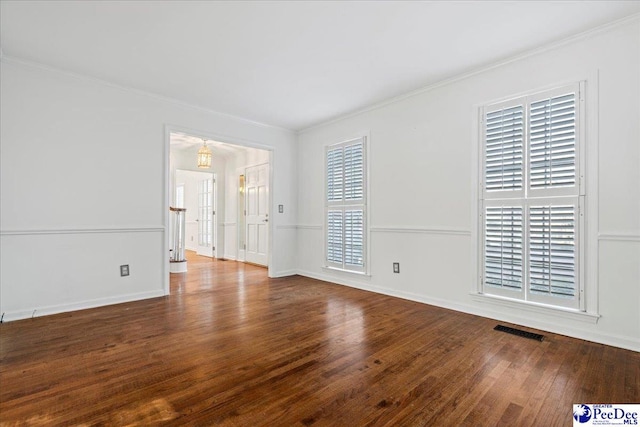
<point x="231" y="347"/>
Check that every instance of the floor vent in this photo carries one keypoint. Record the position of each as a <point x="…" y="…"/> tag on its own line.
<point x="519" y="332"/>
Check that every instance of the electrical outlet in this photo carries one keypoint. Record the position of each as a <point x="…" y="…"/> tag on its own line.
<point x="280" y="208"/>
<point x="396" y="267"/>
<point x="124" y="270"/>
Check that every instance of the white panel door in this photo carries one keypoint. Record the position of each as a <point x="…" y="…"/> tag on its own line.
<point x="206" y="213"/>
<point x="257" y="208"/>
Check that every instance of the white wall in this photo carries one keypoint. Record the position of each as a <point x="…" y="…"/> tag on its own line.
<point x="82" y="176"/>
<point x="422" y="182"/>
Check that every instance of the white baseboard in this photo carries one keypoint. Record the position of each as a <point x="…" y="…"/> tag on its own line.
<point x="625" y="342"/>
<point x="81" y="305"/>
<point x="284" y="273"/>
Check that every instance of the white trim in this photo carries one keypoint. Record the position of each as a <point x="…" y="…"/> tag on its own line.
<point x="287" y="227"/>
<point x="547" y="325"/>
<point x="166" y="204"/>
<point x="229" y="224"/>
<point x="549" y="47"/>
<point x="536" y="307"/>
<point x="619" y="237"/>
<point x="337" y="280"/>
<point x="308" y="227"/>
<point x="284" y="273"/>
<point x="339" y="270"/>
<point x="477" y="226"/>
<point x="270" y="225"/>
<point x="88" y="230"/>
<point x="40" y="66"/>
<point x="590" y="156"/>
<point x="82" y="305"/>
<point x="422" y="230"/>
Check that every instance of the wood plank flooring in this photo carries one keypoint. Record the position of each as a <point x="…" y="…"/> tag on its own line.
<point x="231" y="347"/>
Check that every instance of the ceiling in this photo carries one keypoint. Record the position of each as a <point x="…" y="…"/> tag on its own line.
<point x="292" y="64"/>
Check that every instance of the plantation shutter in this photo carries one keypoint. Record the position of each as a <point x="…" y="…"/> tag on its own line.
<point x="503" y="262"/>
<point x="354" y="237"/>
<point x="503" y="149"/>
<point x="552" y="250"/>
<point x="354" y="172"/>
<point x="552" y="146"/>
<point x="334" y="236"/>
<point x="335" y="170"/>
<point x="345" y="205"/>
<point x="531" y="197"/>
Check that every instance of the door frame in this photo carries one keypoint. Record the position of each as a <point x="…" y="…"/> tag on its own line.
<point x="166" y="172"/>
<point x="241" y="253"/>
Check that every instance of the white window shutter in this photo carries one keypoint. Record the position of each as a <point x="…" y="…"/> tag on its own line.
<point x="335" y="174"/>
<point x="354" y="172"/>
<point x="354" y="237"/>
<point x="552" y="250"/>
<point x="531" y="225"/>
<point x="552" y="146"/>
<point x="503" y="260"/>
<point x="503" y="149"/>
<point x="345" y="205"/>
<point x="335" y="253"/>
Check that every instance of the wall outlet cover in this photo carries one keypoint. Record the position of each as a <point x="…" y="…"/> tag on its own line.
<point x="396" y="267"/>
<point x="124" y="270"/>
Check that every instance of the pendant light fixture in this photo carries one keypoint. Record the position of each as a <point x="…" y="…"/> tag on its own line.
<point x="204" y="156"/>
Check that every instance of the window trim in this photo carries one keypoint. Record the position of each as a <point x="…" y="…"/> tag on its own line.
<point x="345" y="205"/>
<point x="587" y="232"/>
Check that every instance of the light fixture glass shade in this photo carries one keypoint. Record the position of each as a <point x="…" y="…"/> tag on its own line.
<point x="204" y="156"/>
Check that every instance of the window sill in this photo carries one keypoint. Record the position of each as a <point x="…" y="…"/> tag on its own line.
<point x="565" y="313"/>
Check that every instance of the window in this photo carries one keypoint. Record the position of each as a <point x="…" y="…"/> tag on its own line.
<point x="532" y="198"/>
<point x="345" y="206"/>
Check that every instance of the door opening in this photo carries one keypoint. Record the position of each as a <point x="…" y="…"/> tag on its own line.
<point x="227" y="214"/>
<point x="206" y="216"/>
<point x="196" y="192"/>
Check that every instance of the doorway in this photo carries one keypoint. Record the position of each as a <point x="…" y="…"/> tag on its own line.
<point x="196" y="192"/>
<point x="217" y="225"/>
<point x="206" y="215"/>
